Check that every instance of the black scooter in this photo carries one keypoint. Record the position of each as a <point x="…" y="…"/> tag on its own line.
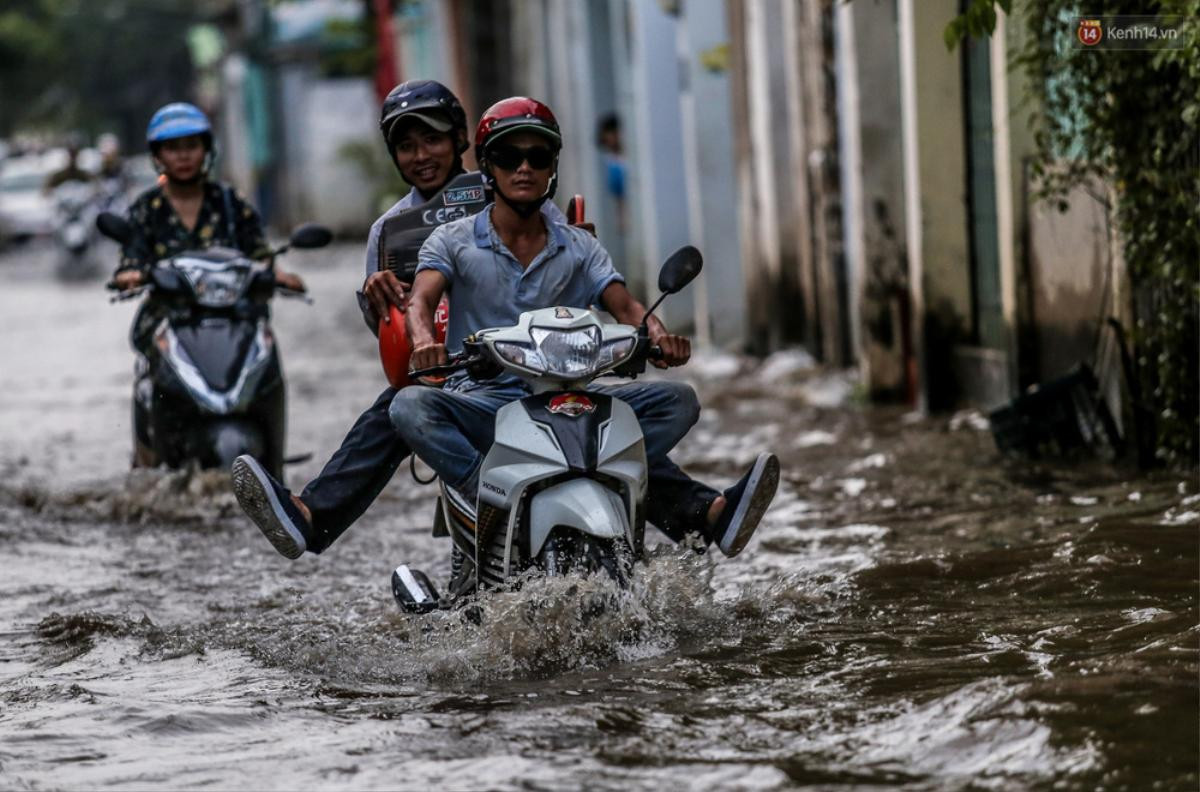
<point x="208" y="384"/>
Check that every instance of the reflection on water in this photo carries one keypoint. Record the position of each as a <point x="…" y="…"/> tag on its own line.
<point x="915" y="610"/>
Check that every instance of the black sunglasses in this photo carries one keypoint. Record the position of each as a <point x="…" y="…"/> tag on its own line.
<point x="510" y="157"/>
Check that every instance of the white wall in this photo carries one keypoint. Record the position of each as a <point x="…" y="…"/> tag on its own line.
<point x="659" y="202"/>
<point x="235" y="162"/>
<point x="319" y="184"/>
<point x="709" y="164"/>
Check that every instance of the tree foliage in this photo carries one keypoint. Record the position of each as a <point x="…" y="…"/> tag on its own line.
<point x="1130" y="118"/>
<point x="92" y="65"/>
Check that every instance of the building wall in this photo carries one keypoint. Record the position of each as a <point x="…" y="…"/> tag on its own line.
<point x="785" y="155"/>
<point x="659" y="202"/>
<point x="882" y="292"/>
<point x="708" y="117"/>
<point x="422" y="33"/>
<point x="946" y="283"/>
<point x="235" y="163"/>
<point x="1069" y="280"/>
<point x="319" y="183"/>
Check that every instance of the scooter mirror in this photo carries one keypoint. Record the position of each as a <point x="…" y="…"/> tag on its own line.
<point x="311" y="235"/>
<point x="114" y="227"/>
<point x="680" y="269"/>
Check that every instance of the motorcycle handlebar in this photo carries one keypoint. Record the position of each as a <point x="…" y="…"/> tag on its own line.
<point x="293" y="294"/>
<point x="454" y="363"/>
<point x="464" y="360"/>
<point x="153" y="282"/>
<point x="128" y="294"/>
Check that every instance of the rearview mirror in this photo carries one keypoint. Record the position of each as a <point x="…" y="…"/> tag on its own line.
<point x="311" y="235"/>
<point x="680" y="269"/>
<point x="114" y="227"/>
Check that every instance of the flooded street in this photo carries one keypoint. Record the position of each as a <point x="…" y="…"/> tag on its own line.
<point x="914" y="611"/>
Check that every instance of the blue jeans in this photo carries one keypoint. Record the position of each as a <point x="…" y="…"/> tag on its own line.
<point x="451" y="431"/>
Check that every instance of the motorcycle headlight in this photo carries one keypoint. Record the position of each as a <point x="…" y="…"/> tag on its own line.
<point x="571" y="353"/>
<point x="615" y="351"/>
<point x="520" y="354"/>
<point x="217" y="288"/>
<point x="565" y="353"/>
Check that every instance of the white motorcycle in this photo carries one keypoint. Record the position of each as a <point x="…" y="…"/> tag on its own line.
<point x="562" y="488"/>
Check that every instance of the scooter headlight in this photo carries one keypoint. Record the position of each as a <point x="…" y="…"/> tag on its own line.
<point x="523" y="355"/>
<point x="568" y="353"/>
<point x="572" y="354"/>
<point x="615" y="351"/>
<point x="217" y="288"/>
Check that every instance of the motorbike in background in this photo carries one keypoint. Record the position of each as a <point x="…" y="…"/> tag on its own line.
<point x="113" y="193"/>
<point x="562" y="489"/>
<point x="76" y="205"/>
<point x="208" y="384"/>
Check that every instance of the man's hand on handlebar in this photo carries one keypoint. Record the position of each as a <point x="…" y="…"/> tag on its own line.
<point x="129" y="279"/>
<point x="288" y="280"/>
<point x="675" y="349"/>
<point x="428" y="356"/>
<point x="383" y="290"/>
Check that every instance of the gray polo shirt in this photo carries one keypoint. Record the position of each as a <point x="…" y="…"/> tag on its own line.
<point x="489" y="288"/>
<point x="414" y="198"/>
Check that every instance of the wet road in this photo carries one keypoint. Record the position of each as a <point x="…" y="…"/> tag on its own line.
<point x="915" y="611"/>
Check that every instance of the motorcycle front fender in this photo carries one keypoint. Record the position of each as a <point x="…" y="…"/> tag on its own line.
<point x="583" y="504"/>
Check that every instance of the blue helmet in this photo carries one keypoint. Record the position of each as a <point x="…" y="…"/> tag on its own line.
<point x="176" y="120"/>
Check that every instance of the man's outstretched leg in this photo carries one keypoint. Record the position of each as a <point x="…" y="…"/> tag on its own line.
<point x="675" y="502"/>
<point x="350" y="481"/>
<point x="451" y="431"/>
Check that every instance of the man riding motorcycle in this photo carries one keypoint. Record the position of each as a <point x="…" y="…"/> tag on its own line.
<point x="71" y="172"/>
<point x="425" y="129"/>
<point x="113" y="176"/>
<point x="187" y="211"/>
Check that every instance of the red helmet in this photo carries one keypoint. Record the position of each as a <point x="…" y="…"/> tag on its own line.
<point x="512" y="114"/>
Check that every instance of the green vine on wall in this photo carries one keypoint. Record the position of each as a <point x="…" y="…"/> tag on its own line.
<point x="1130" y="118"/>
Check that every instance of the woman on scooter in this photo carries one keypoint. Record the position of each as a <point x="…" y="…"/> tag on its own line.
<point x="186" y="211"/>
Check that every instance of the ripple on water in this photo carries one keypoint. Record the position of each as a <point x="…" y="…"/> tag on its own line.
<point x="143" y="496"/>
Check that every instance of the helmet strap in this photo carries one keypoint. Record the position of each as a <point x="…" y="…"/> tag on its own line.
<point x="199" y="178"/>
<point x="210" y="159"/>
<point x="524" y="209"/>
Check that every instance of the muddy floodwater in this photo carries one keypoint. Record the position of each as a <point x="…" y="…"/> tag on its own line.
<point x="915" y="611"/>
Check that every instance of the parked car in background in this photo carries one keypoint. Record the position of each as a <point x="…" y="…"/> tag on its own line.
<point x="26" y="210"/>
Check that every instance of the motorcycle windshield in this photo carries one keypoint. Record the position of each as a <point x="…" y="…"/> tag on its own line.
<point x="218" y="347"/>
